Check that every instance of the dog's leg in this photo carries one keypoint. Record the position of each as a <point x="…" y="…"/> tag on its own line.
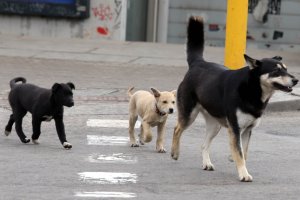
<point x="9" y="125"/>
<point x="141" y="135"/>
<point x="36" y="127"/>
<point x="238" y="155"/>
<point x="147" y="134"/>
<point x="18" y="124"/>
<point x="176" y="140"/>
<point x="60" y="129"/>
<point x="182" y="124"/>
<point x="212" y="129"/>
<point x="132" y="121"/>
<point x="245" y="140"/>
<point x="245" y="143"/>
<point x="160" y="138"/>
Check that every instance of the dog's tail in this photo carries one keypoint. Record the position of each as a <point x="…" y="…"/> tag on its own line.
<point x="195" y="39"/>
<point x="129" y="91"/>
<point x="14" y="81"/>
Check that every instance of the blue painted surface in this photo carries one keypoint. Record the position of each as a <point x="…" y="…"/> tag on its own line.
<point x="51" y="8"/>
<point x="47" y="1"/>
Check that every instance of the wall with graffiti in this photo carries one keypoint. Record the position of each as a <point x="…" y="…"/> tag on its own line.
<point x="109" y="16"/>
<point x="105" y="19"/>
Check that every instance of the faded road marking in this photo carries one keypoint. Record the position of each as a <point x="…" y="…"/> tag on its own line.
<point x="106" y="194"/>
<point x="106" y="140"/>
<point x="112" y="158"/>
<point x="107" y="177"/>
<point x="110" y="123"/>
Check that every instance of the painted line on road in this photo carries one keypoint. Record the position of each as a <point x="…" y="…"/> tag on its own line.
<point x="106" y="140"/>
<point x="110" y="123"/>
<point x="112" y="158"/>
<point x="106" y="194"/>
<point x="107" y="177"/>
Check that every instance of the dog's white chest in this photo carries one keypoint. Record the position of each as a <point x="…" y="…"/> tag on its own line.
<point x="47" y="118"/>
<point x="246" y="120"/>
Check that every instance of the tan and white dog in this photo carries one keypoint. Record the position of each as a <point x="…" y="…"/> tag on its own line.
<point x="153" y="108"/>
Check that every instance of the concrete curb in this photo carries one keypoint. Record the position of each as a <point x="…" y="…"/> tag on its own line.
<point x="282" y="106"/>
<point x="281" y="102"/>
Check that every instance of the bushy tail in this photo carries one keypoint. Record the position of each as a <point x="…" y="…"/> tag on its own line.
<point x="195" y="39"/>
<point x="14" y="81"/>
<point x="129" y="91"/>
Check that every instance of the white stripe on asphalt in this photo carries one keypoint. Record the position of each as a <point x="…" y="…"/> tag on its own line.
<point x="112" y="158"/>
<point x="106" y="140"/>
<point x="106" y="194"/>
<point x="107" y="177"/>
<point x="110" y="123"/>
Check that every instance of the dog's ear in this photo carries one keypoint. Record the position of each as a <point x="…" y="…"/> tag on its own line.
<point x="279" y="58"/>
<point x="56" y="87"/>
<point x="71" y="85"/>
<point x="155" y="92"/>
<point x="174" y="92"/>
<point x="253" y="63"/>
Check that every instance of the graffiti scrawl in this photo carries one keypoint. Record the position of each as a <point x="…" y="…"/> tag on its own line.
<point x="108" y="13"/>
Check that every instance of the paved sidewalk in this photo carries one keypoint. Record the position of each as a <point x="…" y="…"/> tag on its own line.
<point x="138" y="54"/>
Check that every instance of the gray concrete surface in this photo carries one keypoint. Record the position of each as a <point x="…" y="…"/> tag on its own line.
<point x="102" y="72"/>
<point x="137" y="54"/>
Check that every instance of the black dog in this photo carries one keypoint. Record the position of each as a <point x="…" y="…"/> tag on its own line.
<point x="235" y="99"/>
<point x="43" y="104"/>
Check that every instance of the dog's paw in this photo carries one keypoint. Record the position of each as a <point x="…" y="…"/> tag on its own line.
<point x="7" y="133"/>
<point x="35" y="141"/>
<point x="208" y="167"/>
<point x="244" y="175"/>
<point x="141" y="142"/>
<point x="161" y="150"/>
<point x="246" y="178"/>
<point x="174" y="155"/>
<point x="67" y="145"/>
<point x="26" y="140"/>
<point x="135" y="145"/>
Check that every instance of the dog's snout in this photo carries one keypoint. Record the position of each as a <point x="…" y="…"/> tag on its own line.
<point x="70" y="104"/>
<point x="295" y="81"/>
<point x="171" y="110"/>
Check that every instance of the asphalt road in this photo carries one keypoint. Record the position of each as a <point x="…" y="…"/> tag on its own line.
<point x="101" y="163"/>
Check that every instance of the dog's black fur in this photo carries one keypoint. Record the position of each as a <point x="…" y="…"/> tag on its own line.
<point x="43" y="104"/>
<point x="219" y="93"/>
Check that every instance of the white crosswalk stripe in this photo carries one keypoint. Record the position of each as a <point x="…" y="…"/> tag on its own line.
<point x="116" y="158"/>
<point x="107" y="177"/>
<point x="106" y="194"/>
<point x="112" y="158"/>
<point x="106" y="140"/>
<point x="110" y="123"/>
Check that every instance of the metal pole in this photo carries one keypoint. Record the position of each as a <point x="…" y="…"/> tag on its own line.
<point x="151" y="20"/>
<point x="236" y="33"/>
<point x="162" y="24"/>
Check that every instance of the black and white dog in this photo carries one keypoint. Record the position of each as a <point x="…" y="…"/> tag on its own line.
<point x="235" y="99"/>
<point x="43" y="104"/>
